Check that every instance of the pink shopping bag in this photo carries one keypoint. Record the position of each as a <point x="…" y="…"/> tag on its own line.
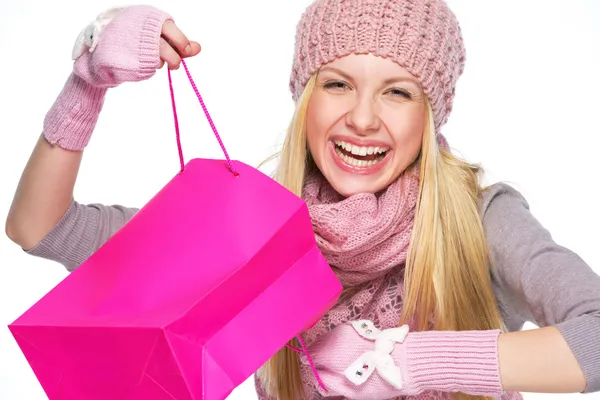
<point x="201" y="287"/>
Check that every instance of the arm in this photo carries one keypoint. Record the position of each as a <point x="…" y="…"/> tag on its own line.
<point x="44" y="219"/>
<point x="43" y="194"/>
<point x="549" y="284"/>
<point x="46" y="186"/>
<point x="136" y="42"/>
<point x="81" y="230"/>
<point x="539" y="361"/>
<point x="554" y="288"/>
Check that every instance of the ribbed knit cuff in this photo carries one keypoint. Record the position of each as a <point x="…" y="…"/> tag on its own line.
<point x="149" y="45"/>
<point x="71" y="120"/>
<point x="582" y="336"/>
<point x="453" y="361"/>
<point x="68" y="242"/>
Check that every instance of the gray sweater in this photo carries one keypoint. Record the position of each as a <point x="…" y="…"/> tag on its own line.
<point x="534" y="278"/>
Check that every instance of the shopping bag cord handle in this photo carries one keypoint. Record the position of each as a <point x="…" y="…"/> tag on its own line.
<point x="310" y="361"/>
<point x="208" y="117"/>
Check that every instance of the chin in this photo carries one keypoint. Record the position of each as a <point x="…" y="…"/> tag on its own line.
<point x="348" y="189"/>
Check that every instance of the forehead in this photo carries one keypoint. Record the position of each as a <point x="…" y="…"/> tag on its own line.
<point x="357" y="65"/>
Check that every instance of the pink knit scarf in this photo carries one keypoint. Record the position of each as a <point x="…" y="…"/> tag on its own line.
<point x="365" y="238"/>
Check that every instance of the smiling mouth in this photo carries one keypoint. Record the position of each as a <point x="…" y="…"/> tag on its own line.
<point x="359" y="156"/>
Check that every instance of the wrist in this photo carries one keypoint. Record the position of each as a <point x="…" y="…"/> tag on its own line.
<point x="452" y="361"/>
<point x="72" y="118"/>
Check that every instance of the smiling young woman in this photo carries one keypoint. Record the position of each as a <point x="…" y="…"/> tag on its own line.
<point x="365" y="122"/>
<point x="442" y="272"/>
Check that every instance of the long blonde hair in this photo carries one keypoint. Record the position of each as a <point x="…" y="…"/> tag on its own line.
<point x="447" y="280"/>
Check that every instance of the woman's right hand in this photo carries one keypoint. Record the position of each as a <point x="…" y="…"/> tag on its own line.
<point x="174" y="45"/>
<point x="128" y="45"/>
<point x="122" y="45"/>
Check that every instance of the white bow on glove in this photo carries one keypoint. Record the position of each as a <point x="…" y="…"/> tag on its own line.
<point x="347" y="357"/>
<point x="356" y="360"/>
<point x="380" y="358"/>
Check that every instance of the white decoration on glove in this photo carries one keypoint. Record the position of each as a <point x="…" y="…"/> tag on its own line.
<point x="380" y="358"/>
<point x="90" y="35"/>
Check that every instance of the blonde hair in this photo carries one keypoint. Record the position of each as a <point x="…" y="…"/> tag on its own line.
<point x="447" y="280"/>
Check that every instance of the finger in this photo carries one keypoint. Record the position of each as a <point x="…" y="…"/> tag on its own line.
<point x="176" y="38"/>
<point x="196" y="48"/>
<point x="169" y="55"/>
<point x="162" y="62"/>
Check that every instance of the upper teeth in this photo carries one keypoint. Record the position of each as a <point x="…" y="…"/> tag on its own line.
<point x="360" y="150"/>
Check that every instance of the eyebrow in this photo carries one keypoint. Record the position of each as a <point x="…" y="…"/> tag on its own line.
<point x="385" y="83"/>
<point x="401" y="79"/>
<point x="337" y="71"/>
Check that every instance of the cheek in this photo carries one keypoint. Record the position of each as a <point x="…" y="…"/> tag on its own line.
<point x="318" y="123"/>
<point x="406" y="130"/>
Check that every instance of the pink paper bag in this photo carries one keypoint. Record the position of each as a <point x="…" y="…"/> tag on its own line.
<point x="187" y="300"/>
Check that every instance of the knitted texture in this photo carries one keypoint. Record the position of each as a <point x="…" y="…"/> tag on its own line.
<point x="365" y="235"/>
<point x="448" y="361"/>
<point x="127" y="51"/>
<point x="71" y="120"/>
<point x="365" y="238"/>
<point x="422" y="36"/>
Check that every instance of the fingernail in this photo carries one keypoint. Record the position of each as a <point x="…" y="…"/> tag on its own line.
<point x="188" y="49"/>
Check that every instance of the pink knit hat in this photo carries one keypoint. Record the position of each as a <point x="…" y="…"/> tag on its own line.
<point x="423" y="36"/>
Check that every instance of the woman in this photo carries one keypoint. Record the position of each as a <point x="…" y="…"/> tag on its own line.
<point x="415" y="240"/>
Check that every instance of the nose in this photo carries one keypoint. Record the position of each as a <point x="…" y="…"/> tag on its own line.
<point x="363" y="118"/>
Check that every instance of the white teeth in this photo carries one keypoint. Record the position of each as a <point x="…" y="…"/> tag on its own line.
<point x="360" y="150"/>
<point x="354" y="162"/>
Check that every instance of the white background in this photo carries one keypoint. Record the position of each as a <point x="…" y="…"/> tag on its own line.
<point x="526" y="108"/>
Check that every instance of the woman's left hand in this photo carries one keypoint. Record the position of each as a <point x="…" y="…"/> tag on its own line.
<point x="358" y="361"/>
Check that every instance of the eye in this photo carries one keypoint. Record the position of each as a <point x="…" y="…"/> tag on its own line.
<point x="400" y="93"/>
<point x="336" y="85"/>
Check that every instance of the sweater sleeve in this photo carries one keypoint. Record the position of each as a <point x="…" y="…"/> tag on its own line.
<point x="550" y="284"/>
<point x="80" y="232"/>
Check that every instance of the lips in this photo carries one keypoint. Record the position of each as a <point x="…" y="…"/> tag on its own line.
<point x="363" y="159"/>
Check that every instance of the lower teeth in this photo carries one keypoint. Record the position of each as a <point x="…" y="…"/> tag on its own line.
<point x="357" y="163"/>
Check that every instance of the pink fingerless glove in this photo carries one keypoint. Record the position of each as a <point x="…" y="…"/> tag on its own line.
<point x="126" y="49"/>
<point x="358" y="361"/>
